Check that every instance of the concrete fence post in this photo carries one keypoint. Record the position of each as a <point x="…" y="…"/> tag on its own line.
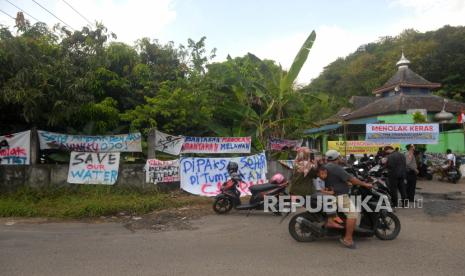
<point x="151" y="144"/>
<point x="35" y="147"/>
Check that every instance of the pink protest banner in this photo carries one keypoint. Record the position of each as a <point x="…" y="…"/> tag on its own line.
<point x="15" y="148"/>
<point x="283" y="144"/>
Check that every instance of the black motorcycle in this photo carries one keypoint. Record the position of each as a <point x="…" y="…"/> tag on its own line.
<point x="230" y="194"/>
<point x="385" y="225"/>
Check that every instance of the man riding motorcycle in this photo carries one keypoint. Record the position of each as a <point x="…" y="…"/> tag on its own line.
<point x="450" y="160"/>
<point x="338" y="180"/>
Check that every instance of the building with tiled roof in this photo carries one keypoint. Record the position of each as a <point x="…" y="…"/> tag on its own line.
<point x="403" y="94"/>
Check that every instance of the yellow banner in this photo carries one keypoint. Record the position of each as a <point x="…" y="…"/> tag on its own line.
<point x="357" y="147"/>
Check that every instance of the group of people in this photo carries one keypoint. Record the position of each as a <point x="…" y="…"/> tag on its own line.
<point x="401" y="167"/>
<point x="327" y="176"/>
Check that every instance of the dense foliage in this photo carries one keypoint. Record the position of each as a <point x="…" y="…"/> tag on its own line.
<point x="87" y="82"/>
<point x="438" y="56"/>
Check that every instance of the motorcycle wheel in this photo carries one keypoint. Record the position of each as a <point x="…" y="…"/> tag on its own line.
<point x="385" y="222"/>
<point x="457" y="177"/>
<point x="298" y="231"/>
<point x="222" y="205"/>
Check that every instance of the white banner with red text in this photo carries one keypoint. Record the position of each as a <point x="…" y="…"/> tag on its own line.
<point x="158" y="171"/>
<point x="15" y="148"/>
<point x="216" y="144"/>
<point x="402" y="133"/>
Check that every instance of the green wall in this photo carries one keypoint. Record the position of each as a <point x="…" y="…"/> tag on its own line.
<point x="453" y="140"/>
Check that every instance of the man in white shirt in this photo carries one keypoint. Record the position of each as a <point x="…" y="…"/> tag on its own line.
<point x="450" y="159"/>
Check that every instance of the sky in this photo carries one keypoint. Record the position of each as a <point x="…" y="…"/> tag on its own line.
<point x="270" y="29"/>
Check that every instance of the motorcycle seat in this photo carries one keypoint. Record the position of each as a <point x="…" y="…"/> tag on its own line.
<point x="262" y="187"/>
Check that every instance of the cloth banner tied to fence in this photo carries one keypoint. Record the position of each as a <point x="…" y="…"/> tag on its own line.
<point x="204" y="176"/>
<point x="15" y="148"/>
<point x="103" y="143"/>
<point x="217" y="145"/>
<point x="93" y="168"/>
<point x="158" y="171"/>
<point x="168" y="143"/>
<point x="403" y="133"/>
<point x="358" y="148"/>
<point x="283" y="144"/>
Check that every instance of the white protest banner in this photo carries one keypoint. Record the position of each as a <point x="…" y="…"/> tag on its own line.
<point x="158" y="171"/>
<point x="104" y="143"/>
<point x="168" y="143"/>
<point x="204" y="176"/>
<point x="15" y="148"/>
<point x="217" y="145"/>
<point x="402" y="133"/>
<point x="93" y="168"/>
<point x="283" y="144"/>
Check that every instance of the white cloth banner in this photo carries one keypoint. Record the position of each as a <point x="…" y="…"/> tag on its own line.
<point x="217" y="145"/>
<point x="168" y="143"/>
<point x="93" y="168"/>
<point x="204" y="176"/>
<point x="103" y="143"/>
<point x="158" y="171"/>
<point x="15" y="149"/>
<point x="403" y="133"/>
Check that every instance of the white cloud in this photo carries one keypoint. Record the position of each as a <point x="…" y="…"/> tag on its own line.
<point x="426" y="15"/>
<point x="335" y="41"/>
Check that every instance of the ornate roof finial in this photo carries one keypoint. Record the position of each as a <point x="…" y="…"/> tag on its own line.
<point x="403" y="62"/>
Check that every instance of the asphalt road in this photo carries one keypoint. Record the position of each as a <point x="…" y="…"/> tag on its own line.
<point x="230" y="245"/>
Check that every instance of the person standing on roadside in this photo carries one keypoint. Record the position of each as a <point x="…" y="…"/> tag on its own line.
<point x="396" y="165"/>
<point x="412" y="171"/>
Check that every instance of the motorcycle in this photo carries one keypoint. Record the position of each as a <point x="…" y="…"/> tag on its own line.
<point x="452" y="175"/>
<point x="385" y="225"/>
<point x="230" y="195"/>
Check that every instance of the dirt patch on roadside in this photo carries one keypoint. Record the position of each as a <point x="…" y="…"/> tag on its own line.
<point x="169" y="219"/>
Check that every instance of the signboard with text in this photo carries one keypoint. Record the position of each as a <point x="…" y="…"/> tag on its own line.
<point x="204" y="176"/>
<point x="402" y="133"/>
<point x="93" y="168"/>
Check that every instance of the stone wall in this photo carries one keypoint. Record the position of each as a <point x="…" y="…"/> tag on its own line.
<point x="130" y="176"/>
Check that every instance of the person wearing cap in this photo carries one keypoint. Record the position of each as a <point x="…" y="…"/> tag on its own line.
<point x="396" y="166"/>
<point x="412" y="172"/>
<point x="338" y="180"/>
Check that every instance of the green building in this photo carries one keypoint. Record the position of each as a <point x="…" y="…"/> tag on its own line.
<point x="403" y="95"/>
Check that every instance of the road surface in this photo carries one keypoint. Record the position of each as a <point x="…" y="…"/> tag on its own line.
<point x="429" y="244"/>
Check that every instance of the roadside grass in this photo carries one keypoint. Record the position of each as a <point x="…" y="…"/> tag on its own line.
<point x="89" y="201"/>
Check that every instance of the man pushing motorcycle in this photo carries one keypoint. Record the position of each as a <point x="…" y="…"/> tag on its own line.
<point x="339" y="180"/>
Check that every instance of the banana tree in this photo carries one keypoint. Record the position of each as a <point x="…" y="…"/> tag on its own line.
<point x="278" y="94"/>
